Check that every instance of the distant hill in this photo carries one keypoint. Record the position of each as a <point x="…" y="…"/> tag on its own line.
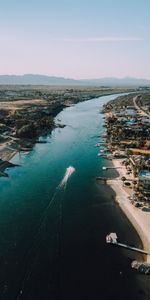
<point x="31" y="79"/>
<point x="126" y="81"/>
<point x="36" y="80"/>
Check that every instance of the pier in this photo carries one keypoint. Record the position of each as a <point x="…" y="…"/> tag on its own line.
<point x="110" y="168"/>
<point x="112" y="239"/>
<point x="103" y="178"/>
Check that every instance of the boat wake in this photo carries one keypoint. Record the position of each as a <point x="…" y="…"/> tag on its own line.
<point x="33" y="252"/>
<point x="69" y="171"/>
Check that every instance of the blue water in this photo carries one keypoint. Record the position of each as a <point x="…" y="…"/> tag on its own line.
<point x="52" y="241"/>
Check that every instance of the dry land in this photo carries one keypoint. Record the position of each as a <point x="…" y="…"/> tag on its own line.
<point x="27" y="112"/>
<point x="140" y="218"/>
<point x="127" y="122"/>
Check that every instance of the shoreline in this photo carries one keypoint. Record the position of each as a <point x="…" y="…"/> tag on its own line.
<point x="140" y="219"/>
<point x="6" y="153"/>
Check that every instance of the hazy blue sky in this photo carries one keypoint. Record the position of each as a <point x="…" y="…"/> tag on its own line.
<point x="75" y="38"/>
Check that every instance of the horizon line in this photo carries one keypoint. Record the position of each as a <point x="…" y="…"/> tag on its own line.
<point x="77" y="79"/>
<point x="100" y="39"/>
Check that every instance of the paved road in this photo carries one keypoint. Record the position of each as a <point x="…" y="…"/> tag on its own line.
<point x="139" y="108"/>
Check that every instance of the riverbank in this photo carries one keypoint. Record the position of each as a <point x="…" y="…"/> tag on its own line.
<point x="140" y="218"/>
<point x="28" y="112"/>
<point x="69" y="252"/>
<point x="6" y="153"/>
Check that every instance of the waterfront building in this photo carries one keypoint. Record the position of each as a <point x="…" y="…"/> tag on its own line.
<point x="144" y="178"/>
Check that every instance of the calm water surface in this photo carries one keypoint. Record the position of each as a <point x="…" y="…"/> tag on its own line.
<point x="52" y="241"/>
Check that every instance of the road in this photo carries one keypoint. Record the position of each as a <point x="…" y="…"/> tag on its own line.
<point x="139" y="108"/>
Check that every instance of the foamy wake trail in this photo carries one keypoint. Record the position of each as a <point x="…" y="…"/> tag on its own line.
<point x="69" y="171"/>
<point x="33" y="252"/>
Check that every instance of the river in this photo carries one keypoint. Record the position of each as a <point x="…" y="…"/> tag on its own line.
<point x="52" y="239"/>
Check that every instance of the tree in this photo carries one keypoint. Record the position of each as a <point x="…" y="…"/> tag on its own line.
<point x="26" y="131"/>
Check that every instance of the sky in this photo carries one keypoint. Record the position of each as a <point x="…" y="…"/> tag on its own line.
<point x="78" y="39"/>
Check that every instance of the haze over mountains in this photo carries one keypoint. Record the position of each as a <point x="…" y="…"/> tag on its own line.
<point x="32" y="79"/>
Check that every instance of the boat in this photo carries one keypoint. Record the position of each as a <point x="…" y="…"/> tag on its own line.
<point x="104" y="168"/>
<point x="99" y="154"/>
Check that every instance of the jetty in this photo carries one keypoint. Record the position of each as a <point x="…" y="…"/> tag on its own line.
<point x="103" y="179"/>
<point x="112" y="239"/>
<point x="110" y="168"/>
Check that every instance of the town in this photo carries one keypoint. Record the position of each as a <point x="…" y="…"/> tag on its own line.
<point x="127" y="124"/>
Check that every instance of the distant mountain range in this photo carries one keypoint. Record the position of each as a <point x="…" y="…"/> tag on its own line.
<point x="31" y="79"/>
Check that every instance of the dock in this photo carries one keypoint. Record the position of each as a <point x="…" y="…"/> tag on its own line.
<point x="110" y="168"/>
<point x="133" y="248"/>
<point x="112" y="239"/>
<point x="103" y="178"/>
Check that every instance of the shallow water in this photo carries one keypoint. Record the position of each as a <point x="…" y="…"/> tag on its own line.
<point x="52" y="241"/>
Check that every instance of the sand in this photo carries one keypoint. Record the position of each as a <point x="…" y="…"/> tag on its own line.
<point x="6" y="152"/>
<point x="140" y="218"/>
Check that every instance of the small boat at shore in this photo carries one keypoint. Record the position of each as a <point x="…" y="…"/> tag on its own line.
<point x="104" y="168"/>
<point x="103" y="135"/>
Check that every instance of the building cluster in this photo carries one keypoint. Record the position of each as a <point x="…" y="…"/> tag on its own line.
<point x="128" y="135"/>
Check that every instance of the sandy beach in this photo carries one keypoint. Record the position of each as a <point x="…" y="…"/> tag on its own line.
<point x="140" y="218"/>
<point x="6" y="153"/>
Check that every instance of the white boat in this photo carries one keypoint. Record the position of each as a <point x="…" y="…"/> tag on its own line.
<point x="104" y="168"/>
